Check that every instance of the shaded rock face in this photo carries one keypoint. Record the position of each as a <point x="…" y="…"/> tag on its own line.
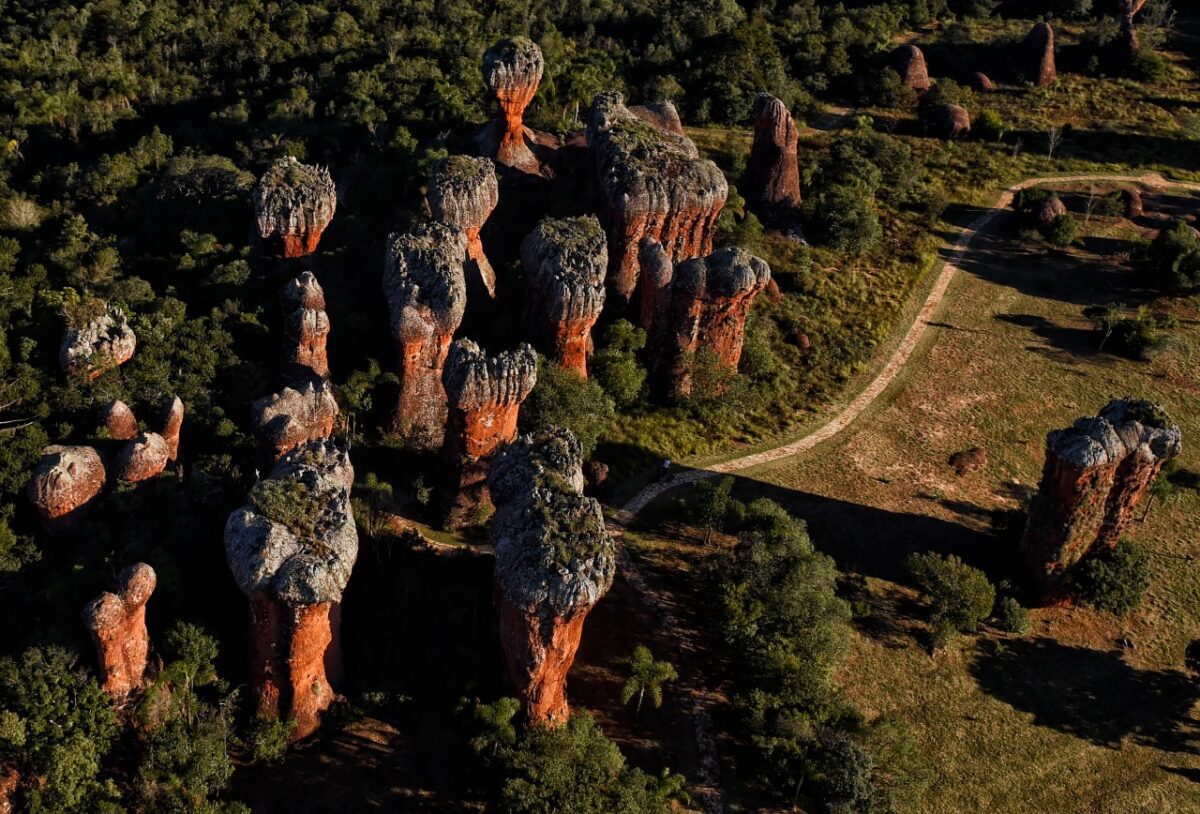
<point x="662" y="115"/>
<point x="772" y="179"/>
<point x="102" y="344"/>
<point x="65" y="484"/>
<point x="910" y="64"/>
<point x="1128" y="43"/>
<point x="982" y="82"/>
<point x="653" y="184"/>
<point x="1131" y="203"/>
<point x="565" y="261"/>
<point x="554" y="561"/>
<point x="1094" y="476"/>
<point x="293" y="204"/>
<point x="657" y="271"/>
<point x="291" y="550"/>
<point x="462" y="192"/>
<point x="142" y="458"/>
<point x="117" y="622"/>
<point x="948" y="122"/>
<point x="512" y="69"/>
<point x="484" y="395"/>
<point x="119" y="420"/>
<point x="291" y="418"/>
<point x="426" y="294"/>
<point x="1038" y="56"/>
<point x="172" y="426"/>
<point x="1050" y="210"/>
<point x="305" y="329"/>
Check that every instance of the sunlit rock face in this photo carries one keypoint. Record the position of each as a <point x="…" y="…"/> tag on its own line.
<point x="117" y="622"/>
<point x="512" y="70"/>
<point x="66" y="483"/>
<point x="1095" y="474"/>
<point x="293" y="205"/>
<point x="653" y="184"/>
<point x="293" y="417"/>
<point x="305" y="330"/>
<point x="1037" y="58"/>
<point x="291" y="549"/>
<point x="772" y="178"/>
<point x="462" y="193"/>
<point x="554" y="561"/>
<point x="100" y="344"/>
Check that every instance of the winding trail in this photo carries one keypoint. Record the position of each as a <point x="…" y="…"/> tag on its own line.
<point x="698" y="699"/>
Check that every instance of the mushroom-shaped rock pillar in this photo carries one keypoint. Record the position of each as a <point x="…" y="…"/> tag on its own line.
<point x="554" y="561"/>
<point x="117" y="622"/>
<point x="462" y="193"/>
<point x="305" y="329"/>
<point x="772" y="177"/>
<point x="98" y="345"/>
<point x="293" y="205"/>
<point x="512" y="69"/>
<point x="1095" y="474"/>
<point x="291" y="550"/>
<point x="66" y="483"/>
<point x="292" y="418"/>
<point x="485" y="395"/>
<point x="1037" y="57"/>
<point x="426" y="295"/>
<point x="565" y="262"/>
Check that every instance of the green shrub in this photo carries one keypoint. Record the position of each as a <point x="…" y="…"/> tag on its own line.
<point x="268" y="739"/>
<point x="1147" y="66"/>
<point x="989" y="125"/>
<point x="1063" y="230"/>
<point x="1172" y="261"/>
<point x="1011" y="616"/>
<point x="562" y="398"/>
<point x="1115" y="579"/>
<point x="844" y="774"/>
<point x="962" y="596"/>
<point x="615" y="365"/>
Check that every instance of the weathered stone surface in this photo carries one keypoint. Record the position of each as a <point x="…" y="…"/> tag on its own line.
<point x="101" y="344"/>
<point x="982" y="82"/>
<point x="1037" y="58"/>
<point x="554" y="561"/>
<point x="119" y="420"/>
<point x="1128" y="43"/>
<point x="172" y="427"/>
<point x="293" y="204"/>
<point x="65" y="483"/>
<point x="1095" y="473"/>
<point x="661" y="114"/>
<point x="512" y="69"/>
<point x="484" y="395"/>
<point x="117" y="622"/>
<point x="968" y="460"/>
<point x="657" y="271"/>
<point x="142" y="458"/>
<point x="10" y="784"/>
<point x="291" y="550"/>
<point x="285" y="420"/>
<point x="305" y="329"/>
<point x="462" y="192"/>
<point x="426" y="295"/>
<point x="909" y="61"/>
<point x="772" y="179"/>
<point x="565" y="262"/>
<point x="654" y="184"/>
<point x="1131" y="203"/>
<point x="948" y="122"/>
<point x="1050" y="210"/>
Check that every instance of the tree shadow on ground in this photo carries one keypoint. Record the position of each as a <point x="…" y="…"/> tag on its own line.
<point x="1074" y="344"/>
<point x="1092" y="694"/>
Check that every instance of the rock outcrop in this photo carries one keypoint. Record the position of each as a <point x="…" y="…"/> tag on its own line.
<point x="291" y="418"/>
<point x="512" y="69"/>
<point x="1049" y="210"/>
<point x="291" y="550"/>
<point x="565" y="262"/>
<point x="653" y="184"/>
<point x="1132" y="204"/>
<point x="662" y="115"/>
<point x="1037" y="56"/>
<point x="462" y="192"/>
<point x="909" y="61"/>
<point x="293" y="204"/>
<point x="305" y="329"/>
<point x="172" y="426"/>
<point x="65" y="484"/>
<point x="554" y="561"/>
<point x="426" y="295"/>
<point x="982" y="82"/>
<point x="1094" y="475"/>
<point x="1128" y="43"/>
<point x="142" y="458"/>
<point x="948" y="122"/>
<point x="119" y="421"/>
<point x="772" y="179"/>
<point x="484" y="396"/>
<point x="117" y="622"/>
<point x="98" y="345"/>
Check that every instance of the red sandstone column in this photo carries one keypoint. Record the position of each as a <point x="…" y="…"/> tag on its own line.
<point x="117" y="622"/>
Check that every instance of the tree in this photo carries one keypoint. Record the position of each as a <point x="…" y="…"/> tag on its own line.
<point x="844" y="774"/>
<point x="562" y="398"/>
<point x="646" y="675"/>
<point x="1173" y="259"/>
<point x="962" y="596"/>
<point x="497" y="732"/>
<point x="1115" y="579"/>
<point x="713" y="501"/>
<point x="616" y="367"/>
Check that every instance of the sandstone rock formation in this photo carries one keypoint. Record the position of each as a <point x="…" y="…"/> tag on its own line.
<point x="910" y="64"/>
<point x="291" y="418"/>
<point x="306" y="330"/>
<point x="291" y="550"/>
<point x="512" y="69"/>
<point x="142" y="458"/>
<point x="172" y="426"/>
<point x="65" y="483"/>
<point x="1128" y="43"/>
<point x="1050" y="210"/>
<point x="119" y="420"/>
<point x="484" y="396"/>
<point x="293" y="204"/>
<point x="662" y="115"/>
<point x="565" y="261"/>
<point x="98" y="345"/>
<point x="117" y="622"/>
<point x="1094" y="475"/>
<point x="1037" y="58"/>
<point x="772" y="178"/>
<point x="657" y="271"/>
<point x="1132" y="204"/>
<point x="463" y="191"/>
<point x="982" y="82"/>
<point x="653" y="184"/>
<point x="554" y="561"/>
<point x="426" y="296"/>
<point x="948" y="122"/>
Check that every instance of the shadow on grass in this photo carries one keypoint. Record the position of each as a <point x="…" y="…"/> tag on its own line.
<point x="1075" y="343"/>
<point x="1093" y="694"/>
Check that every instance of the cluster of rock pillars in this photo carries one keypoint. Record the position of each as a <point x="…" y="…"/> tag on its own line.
<point x="647" y="252"/>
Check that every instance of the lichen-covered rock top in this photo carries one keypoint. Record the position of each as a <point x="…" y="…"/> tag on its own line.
<point x="463" y="191"/>
<point x="102" y="343"/>
<point x="134" y="586"/>
<point x="727" y="272"/>
<point x="474" y="380"/>
<point x="291" y="416"/>
<point x="293" y="198"/>
<point x="554" y="554"/>
<point x="64" y="479"/>
<point x="515" y="62"/>
<point x="295" y="540"/>
<point x="645" y="169"/>
<point x="1123" y="427"/>
<point x="423" y="279"/>
<point x="302" y="292"/>
<point x="566" y="260"/>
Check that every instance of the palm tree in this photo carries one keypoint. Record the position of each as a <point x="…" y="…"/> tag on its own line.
<point x="646" y="675"/>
